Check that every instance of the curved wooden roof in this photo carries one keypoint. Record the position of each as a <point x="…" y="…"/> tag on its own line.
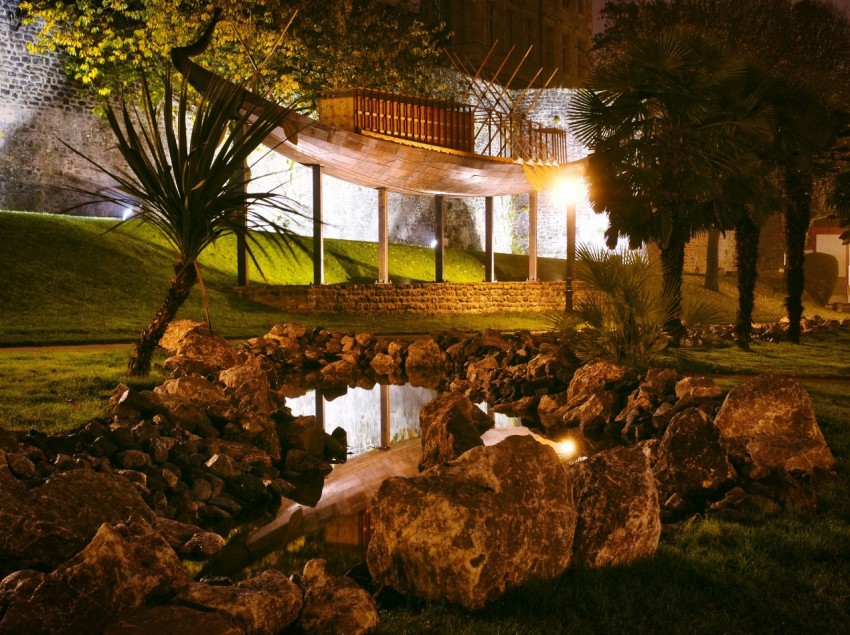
<point x="375" y="161"/>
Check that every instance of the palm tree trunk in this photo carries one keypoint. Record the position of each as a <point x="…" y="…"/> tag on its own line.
<point x="798" y="186"/>
<point x="712" y="261"/>
<point x="746" y="255"/>
<point x="184" y="279"/>
<point x="672" y="265"/>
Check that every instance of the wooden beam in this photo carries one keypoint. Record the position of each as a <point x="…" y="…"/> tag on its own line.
<point x="383" y="237"/>
<point x="532" y="236"/>
<point x="440" y="238"/>
<point x="318" y="237"/>
<point x="489" y="260"/>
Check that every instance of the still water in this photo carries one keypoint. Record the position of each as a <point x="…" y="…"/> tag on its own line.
<point x="375" y="418"/>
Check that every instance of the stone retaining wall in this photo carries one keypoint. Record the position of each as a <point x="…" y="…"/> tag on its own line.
<point x="429" y="298"/>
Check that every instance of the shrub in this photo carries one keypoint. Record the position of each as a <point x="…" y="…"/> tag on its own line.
<point x="821" y="272"/>
<point x="619" y="314"/>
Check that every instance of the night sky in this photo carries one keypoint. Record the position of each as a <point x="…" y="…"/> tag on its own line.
<point x="597" y="4"/>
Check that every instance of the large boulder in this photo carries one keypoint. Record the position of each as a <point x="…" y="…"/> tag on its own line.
<point x="334" y="604"/>
<point x="248" y="388"/>
<point x="263" y="605"/>
<point x="598" y="375"/>
<point x="497" y="517"/>
<point x="124" y="566"/>
<point x="773" y="419"/>
<point x="451" y="424"/>
<point x="692" y="465"/>
<point x="618" y="513"/>
<point x="45" y="526"/>
<point x="424" y="356"/>
<point x="194" y="348"/>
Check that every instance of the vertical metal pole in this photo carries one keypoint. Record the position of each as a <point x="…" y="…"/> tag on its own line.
<point x="532" y="236"/>
<point x="385" y="416"/>
<point x="440" y="237"/>
<point x="318" y="238"/>
<point x="383" y="237"/>
<point x="489" y="256"/>
<point x="571" y="252"/>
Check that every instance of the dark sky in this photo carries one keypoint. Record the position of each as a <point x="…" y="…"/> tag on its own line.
<point x="597" y="4"/>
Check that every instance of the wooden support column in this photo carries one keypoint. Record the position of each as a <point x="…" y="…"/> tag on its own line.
<point x="440" y="237"/>
<point x="489" y="259"/>
<point x="318" y="237"/>
<point x="532" y="236"/>
<point x="386" y="437"/>
<point x="383" y="237"/>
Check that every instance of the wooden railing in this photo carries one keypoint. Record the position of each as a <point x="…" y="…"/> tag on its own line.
<point x="444" y="124"/>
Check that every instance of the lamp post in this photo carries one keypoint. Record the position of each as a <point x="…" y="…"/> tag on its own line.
<point x="568" y="193"/>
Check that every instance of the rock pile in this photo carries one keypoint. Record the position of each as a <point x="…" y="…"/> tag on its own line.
<point x="215" y="445"/>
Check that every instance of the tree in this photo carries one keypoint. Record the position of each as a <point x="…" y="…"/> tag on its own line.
<point x="329" y="44"/>
<point x="804" y="45"/>
<point x="180" y="182"/>
<point x="663" y="138"/>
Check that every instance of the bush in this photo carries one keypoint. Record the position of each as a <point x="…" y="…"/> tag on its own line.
<point x="619" y="313"/>
<point x="821" y="272"/>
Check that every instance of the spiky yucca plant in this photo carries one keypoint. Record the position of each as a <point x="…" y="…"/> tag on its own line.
<point x="619" y="315"/>
<point x="180" y="179"/>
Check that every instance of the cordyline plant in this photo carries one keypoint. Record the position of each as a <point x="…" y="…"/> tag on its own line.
<point x="185" y="184"/>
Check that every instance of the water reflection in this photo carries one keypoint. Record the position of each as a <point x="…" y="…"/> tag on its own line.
<point x="376" y="417"/>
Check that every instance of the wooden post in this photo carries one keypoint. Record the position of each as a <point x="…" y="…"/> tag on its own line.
<point x="383" y="237"/>
<point x="532" y="236"/>
<point x="571" y="252"/>
<point x="318" y="238"/>
<point x="440" y="237"/>
<point x="489" y="259"/>
<point x="385" y="417"/>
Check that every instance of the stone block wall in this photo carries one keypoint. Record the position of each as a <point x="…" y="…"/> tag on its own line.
<point x="39" y="108"/>
<point x="414" y="299"/>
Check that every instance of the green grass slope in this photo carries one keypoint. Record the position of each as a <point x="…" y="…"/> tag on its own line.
<point x="74" y="280"/>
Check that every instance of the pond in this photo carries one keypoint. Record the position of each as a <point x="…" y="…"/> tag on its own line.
<point x="382" y="425"/>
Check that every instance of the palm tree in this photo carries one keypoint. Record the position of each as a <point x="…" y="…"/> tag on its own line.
<point x="180" y="181"/>
<point x="656" y="119"/>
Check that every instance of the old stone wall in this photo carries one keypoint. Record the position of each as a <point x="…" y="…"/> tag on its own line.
<point x="417" y="299"/>
<point x="39" y="108"/>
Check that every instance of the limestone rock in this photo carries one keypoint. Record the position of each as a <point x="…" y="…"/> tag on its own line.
<point x="123" y="567"/>
<point x="194" y="344"/>
<point x="465" y="532"/>
<point x="424" y="356"/>
<point x="690" y="388"/>
<point x="303" y="433"/>
<point x="45" y="526"/>
<point x="618" y="513"/>
<point x="334" y="604"/>
<point x="384" y="364"/>
<point x="599" y="375"/>
<point x="263" y="605"/>
<point x="341" y="371"/>
<point x="451" y="424"/>
<point x="248" y="387"/>
<point x="189" y="541"/>
<point x="773" y="418"/>
<point x="692" y="465"/>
